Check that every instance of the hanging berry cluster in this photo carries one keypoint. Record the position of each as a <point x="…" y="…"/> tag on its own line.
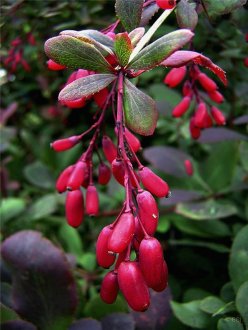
<point x="104" y="59"/>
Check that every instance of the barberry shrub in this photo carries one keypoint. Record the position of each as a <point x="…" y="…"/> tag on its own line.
<point x="106" y="67"/>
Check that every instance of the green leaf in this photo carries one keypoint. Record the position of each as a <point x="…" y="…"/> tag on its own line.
<point x="123" y="47"/>
<point x="163" y="224"/>
<point x="230" y="323"/>
<point x="187" y="242"/>
<point x="227" y="293"/>
<point x="11" y="208"/>
<point x="211" y="304"/>
<point x="87" y="261"/>
<point x="72" y="239"/>
<point x="207" y="210"/>
<point x="238" y="263"/>
<point x="140" y="110"/>
<point x="86" y="86"/>
<point x="221" y="7"/>
<point x="76" y="53"/>
<point x="7" y="314"/>
<point x="186" y="15"/>
<point x="43" y="207"/>
<point x="190" y="314"/>
<point x="129" y="12"/>
<point x="39" y="175"/>
<point x="242" y="301"/>
<point x="227" y="308"/>
<point x="160" y="49"/>
<point x="243" y="151"/>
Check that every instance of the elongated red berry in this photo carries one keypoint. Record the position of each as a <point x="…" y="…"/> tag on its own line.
<point x="104" y="259"/>
<point x="148" y="211"/>
<point x="133" y="286"/>
<point x="207" y="83"/>
<point x="153" y="182"/>
<point x="122" y="233"/>
<point x="118" y="170"/>
<point x="104" y="174"/>
<point x="109" y="149"/>
<point x="166" y="4"/>
<point x="188" y="167"/>
<point x="101" y="97"/>
<point x="218" y="116"/>
<point x="187" y="90"/>
<point x="65" y="144"/>
<point x="109" y="288"/>
<point x="54" y="66"/>
<point x="181" y="107"/>
<point x="77" y="176"/>
<point x="194" y="130"/>
<point x="175" y="76"/>
<point x="132" y="140"/>
<point x="164" y="279"/>
<point x="80" y="103"/>
<point x="61" y="183"/>
<point x="74" y="207"/>
<point x="151" y="262"/>
<point x="200" y="115"/>
<point x="216" y="96"/>
<point x="81" y="73"/>
<point x="92" y="200"/>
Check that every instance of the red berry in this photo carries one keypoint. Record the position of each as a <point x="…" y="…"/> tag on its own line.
<point x="148" y="211"/>
<point x="132" y="140"/>
<point x="133" y="286"/>
<point x="164" y="276"/>
<point x="151" y="262"/>
<point x="61" y="183"/>
<point x="166" y="4"/>
<point x="246" y="62"/>
<point x="109" y="288"/>
<point x="187" y="90"/>
<point x="188" y="167"/>
<point x="122" y="233"/>
<point x="104" y="174"/>
<point x="54" y="66"/>
<point x="153" y="183"/>
<point x="175" y="76"/>
<point x="216" y="97"/>
<point x="80" y="103"/>
<point x="218" y="116"/>
<point x="200" y="115"/>
<point x="81" y="73"/>
<point x="194" y="130"/>
<point x="92" y="200"/>
<point x="77" y="176"/>
<point x="207" y="83"/>
<point x="182" y="107"/>
<point x="109" y="149"/>
<point x="74" y="207"/>
<point x="104" y="259"/>
<point x="65" y="144"/>
<point x="101" y="97"/>
<point x="118" y="170"/>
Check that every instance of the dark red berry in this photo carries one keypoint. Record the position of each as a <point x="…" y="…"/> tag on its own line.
<point x="74" y="207"/>
<point x="77" y="176"/>
<point x="109" y="149"/>
<point x="109" y="288"/>
<point x="166" y="4"/>
<point x="153" y="183"/>
<point x="104" y="259"/>
<point x="92" y="200"/>
<point x="218" y="116"/>
<point x="104" y="174"/>
<point x="62" y="181"/>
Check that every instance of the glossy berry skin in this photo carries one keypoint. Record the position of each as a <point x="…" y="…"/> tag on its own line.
<point x="166" y="4"/>
<point x="175" y="76"/>
<point x="181" y="107"/>
<point x="109" y="149"/>
<point x="148" y="211"/>
<point x="207" y="83"/>
<point x="77" y="176"/>
<point x="194" y="130"/>
<point x="101" y="97"/>
<point x="54" y="66"/>
<point x="151" y="262"/>
<point x="92" y="200"/>
<point x="164" y="282"/>
<point x="218" y="116"/>
<point x="80" y="103"/>
<point x="61" y="183"/>
<point x="216" y="96"/>
<point x="133" y="286"/>
<point x="188" y="167"/>
<point x="74" y="208"/>
<point x="200" y="115"/>
<point x="104" y="174"/>
<point x="109" y="288"/>
<point x="104" y="259"/>
<point x="122" y="233"/>
<point x="132" y="140"/>
<point x="153" y="183"/>
<point x="118" y="170"/>
<point x="65" y="144"/>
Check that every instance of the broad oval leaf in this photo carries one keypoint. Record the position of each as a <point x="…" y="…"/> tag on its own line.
<point x="140" y="110"/>
<point x="160" y="49"/>
<point x="129" y="12"/>
<point x="76" y="53"/>
<point x="86" y="86"/>
<point x="230" y="323"/>
<point x="123" y="47"/>
<point x="136" y="35"/>
<point x="183" y="57"/>
<point x="148" y="12"/>
<point x="44" y="290"/>
<point x="220" y="134"/>
<point x="242" y="301"/>
<point x="221" y="7"/>
<point x="186" y="15"/>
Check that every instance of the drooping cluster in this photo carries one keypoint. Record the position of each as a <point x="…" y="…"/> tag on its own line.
<point x="205" y="114"/>
<point x="15" y="56"/>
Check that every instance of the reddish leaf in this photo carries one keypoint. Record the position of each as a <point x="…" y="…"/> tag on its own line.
<point x="123" y="47"/>
<point x="183" y="57"/>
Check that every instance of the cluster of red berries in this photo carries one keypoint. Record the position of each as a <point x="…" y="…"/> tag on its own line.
<point x="204" y="115"/>
<point x="15" y="54"/>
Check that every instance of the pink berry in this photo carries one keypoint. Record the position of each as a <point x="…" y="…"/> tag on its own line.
<point x="104" y="259"/>
<point x="74" y="207"/>
<point x="92" y="200"/>
<point x="153" y="182"/>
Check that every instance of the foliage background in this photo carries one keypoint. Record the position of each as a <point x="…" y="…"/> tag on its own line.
<point x="203" y="226"/>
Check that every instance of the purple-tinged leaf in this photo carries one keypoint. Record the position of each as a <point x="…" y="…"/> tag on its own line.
<point x="219" y="134"/>
<point x="158" y="314"/>
<point x="241" y="120"/>
<point x="187" y="17"/>
<point x="86" y="324"/>
<point x="123" y="47"/>
<point x="76" y="53"/>
<point x="136" y="35"/>
<point x="44" y="290"/>
<point x="120" y="321"/>
<point x="206" y="210"/>
<point x="181" y="196"/>
<point x="167" y="159"/>
<point x="86" y="86"/>
<point x="129" y="12"/>
<point x="17" y="325"/>
<point x="5" y="114"/>
<point x="148" y="13"/>
<point x="159" y="50"/>
<point x="140" y="110"/>
<point x="184" y="57"/>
